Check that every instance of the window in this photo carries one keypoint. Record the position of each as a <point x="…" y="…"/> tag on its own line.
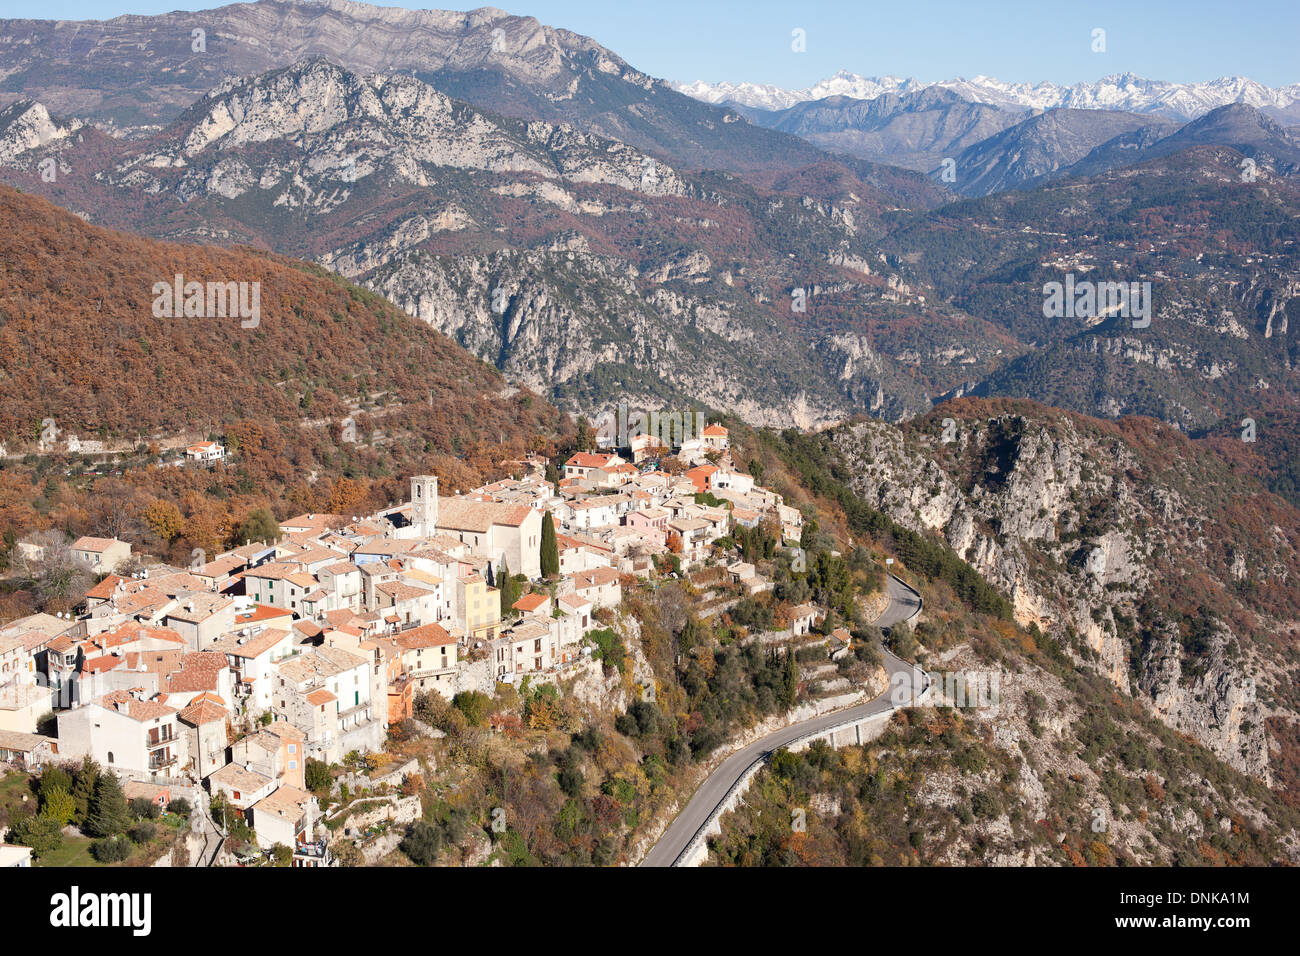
<point x="110" y="756"/>
<point x="293" y="765"/>
<point x="293" y="748"/>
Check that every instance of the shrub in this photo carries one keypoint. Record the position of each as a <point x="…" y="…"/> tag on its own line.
<point x="317" y="776"/>
<point x="986" y="804"/>
<point x="422" y="843"/>
<point x="143" y="832"/>
<point x="43" y="834"/>
<point x="474" y="705"/>
<point x="57" y="804"/>
<point x="609" y="648"/>
<point x="143" y="809"/>
<point x="111" y="850"/>
<point x="181" y="807"/>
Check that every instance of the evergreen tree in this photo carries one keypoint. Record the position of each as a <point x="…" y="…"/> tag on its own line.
<point x="108" y="813"/>
<point x="550" y="548"/>
<point x="83" y="790"/>
<point x="507" y="588"/>
<point x="586" y="438"/>
<point x="790" y="680"/>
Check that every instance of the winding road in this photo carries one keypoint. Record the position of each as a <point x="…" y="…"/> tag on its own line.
<point x="904" y="603"/>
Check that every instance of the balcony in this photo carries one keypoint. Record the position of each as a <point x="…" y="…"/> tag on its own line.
<point x="161" y="761"/>
<point x="312" y="854"/>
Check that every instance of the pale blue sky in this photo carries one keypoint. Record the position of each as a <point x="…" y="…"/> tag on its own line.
<point x="1014" y="40"/>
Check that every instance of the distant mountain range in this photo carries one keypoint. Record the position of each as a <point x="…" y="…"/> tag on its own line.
<point x="977" y="149"/>
<point x="1123" y="91"/>
<point x="135" y="72"/>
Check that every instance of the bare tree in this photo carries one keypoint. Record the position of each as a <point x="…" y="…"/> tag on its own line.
<point x="57" y="576"/>
<point x="670" y="601"/>
<point x="117" y="507"/>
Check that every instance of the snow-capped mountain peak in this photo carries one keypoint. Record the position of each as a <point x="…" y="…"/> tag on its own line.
<point x="1120" y="91"/>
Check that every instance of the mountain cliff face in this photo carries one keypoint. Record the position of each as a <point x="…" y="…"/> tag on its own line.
<point x="1137" y="548"/>
<point x="135" y="72"/>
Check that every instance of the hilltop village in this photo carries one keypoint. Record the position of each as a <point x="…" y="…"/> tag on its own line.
<point x="220" y="683"/>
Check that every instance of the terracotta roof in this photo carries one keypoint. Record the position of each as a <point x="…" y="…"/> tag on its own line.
<point x="275" y="570"/>
<point x="205" y="604"/>
<point x="466" y="515"/>
<point x="105" y="588"/>
<point x="340" y="617"/>
<point x="320" y="697"/>
<point x="574" y="601"/>
<point x="252" y="646"/>
<point x="596" y="577"/>
<point x="203" y="711"/>
<point x="135" y="709"/>
<point x="94" y="544"/>
<point x="287" y="803"/>
<point x="427" y="635"/>
<point x="128" y="632"/>
<point x="236" y="777"/>
<point x="321" y="522"/>
<point x="141" y="600"/>
<point x="320" y="662"/>
<point x="24" y="743"/>
<point x="221" y="566"/>
<point x="260" y="612"/>
<point x="400" y="591"/>
<point x="587" y="460"/>
<point x="199" y="671"/>
<point x="531" y="602"/>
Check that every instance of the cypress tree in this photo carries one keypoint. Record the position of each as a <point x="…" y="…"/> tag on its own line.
<point x="790" y="679"/>
<point x="550" y="548"/>
<point x="83" y="789"/>
<point x="507" y="588"/>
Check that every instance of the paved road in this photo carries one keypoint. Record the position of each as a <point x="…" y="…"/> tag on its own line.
<point x="903" y="603"/>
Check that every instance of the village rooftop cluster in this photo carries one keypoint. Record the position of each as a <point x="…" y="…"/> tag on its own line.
<point x="316" y="643"/>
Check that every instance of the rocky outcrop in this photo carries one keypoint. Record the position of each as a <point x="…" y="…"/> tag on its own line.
<point x="1071" y="527"/>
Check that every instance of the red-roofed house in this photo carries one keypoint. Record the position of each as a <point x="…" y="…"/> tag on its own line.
<point x="582" y="464"/>
<point x="132" y="737"/>
<point x="206" y="452"/>
<point x="538" y="603"/>
<point x="715" y="437"/>
<point x="702" y="477"/>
